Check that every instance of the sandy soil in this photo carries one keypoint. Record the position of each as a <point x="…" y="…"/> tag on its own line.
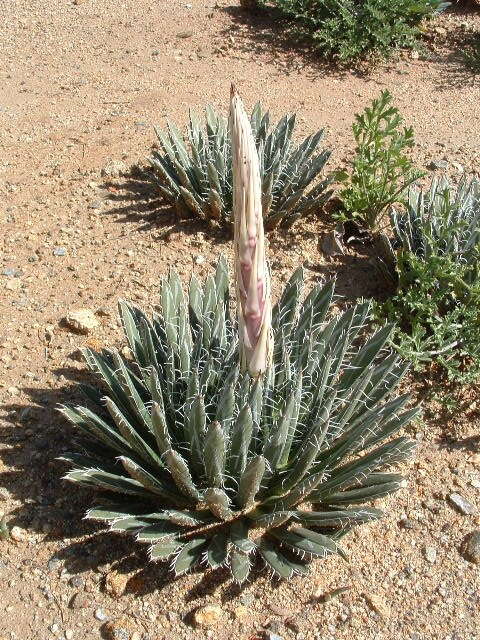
<point x="81" y="84"/>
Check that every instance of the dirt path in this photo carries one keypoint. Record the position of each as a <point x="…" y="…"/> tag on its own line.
<point x="81" y="84"/>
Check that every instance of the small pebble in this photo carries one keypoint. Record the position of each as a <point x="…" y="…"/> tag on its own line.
<point x="471" y="548"/>
<point x="462" y="504"/>
<point x="54" y="564"/>
<point x="431" y="554"/>
<point x="77" y="582"/>
<point x="100" y="615"/>
<point x="12" y="273"/>
<point x="69" y="634"/>
<point x="59" y="251"/>
<point x="207" y="616"/>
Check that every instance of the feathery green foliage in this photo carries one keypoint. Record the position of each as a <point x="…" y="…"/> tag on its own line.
<point x="353" y="29"/>
<point x="210" y="465"/>
<point x="194" y="173"/>
<point x="381" y="170"/>
<point x="437" y="304"/>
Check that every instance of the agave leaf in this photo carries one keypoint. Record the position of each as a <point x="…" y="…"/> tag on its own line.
<point x="219" y="503"/>
<point x="162" y="531"/>
<point x="390" y="453"/>
<point x="114" y="511"/>
<point x="275" y="559"/>
<point x="181" y="475"/>
<point x="164" y="549"/>
<point x="189" y="555"/>
<point x="239" y="537"/>
<point x="214" y="454"/>
<point x="240" y="442"/>
<point x="240" y="566"/>
<point x="250" y="481"/>
<point x="306" y="542"/>
<point x="108" y="481"/>
<point x="136" y="442"/>
<point x="94" y="426"/>
<point x="364" y="493"/>
<point x="150" y="482"/>
<point x="217" y="552"/>
<point x="268" y="520"/>
<point x="336" y="519"/>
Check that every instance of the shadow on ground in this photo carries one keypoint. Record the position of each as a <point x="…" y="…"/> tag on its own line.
<point x="134" y="199"/>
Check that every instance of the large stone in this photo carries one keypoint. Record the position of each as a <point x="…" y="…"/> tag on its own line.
<point x="208" y="616"/>
<point x="82" y="320"/>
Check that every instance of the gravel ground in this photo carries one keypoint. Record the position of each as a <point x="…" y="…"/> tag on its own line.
<point x="82" y="84"/>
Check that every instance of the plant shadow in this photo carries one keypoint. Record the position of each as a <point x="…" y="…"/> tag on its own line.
<point x="134" y="199"/>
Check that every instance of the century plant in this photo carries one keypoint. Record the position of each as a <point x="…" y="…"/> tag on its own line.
<point x="434" y="264"/>
<point x="220" y="448"/>
<point x="194" y="173"/>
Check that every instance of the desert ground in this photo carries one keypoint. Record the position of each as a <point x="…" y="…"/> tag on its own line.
<point x="81" y="85"/>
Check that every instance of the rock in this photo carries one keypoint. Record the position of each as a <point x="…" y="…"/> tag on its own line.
<point x="77" y="582"/>
<point x="114" y="169"/>
<point x="96" y="204"/>
<point x="100" y="615"/>
<point x="461" y="504"/>
<point x="208" y="616"/>
<point x="13" y="391"/>
<point x="378" y="605"/>
<point x="4" y="531"/>
<point x="82" y="320"/>
<point x="59" y="251"/>
<point x="116" y="583"/>
<point x="79" y="601"/>
<point x="437" y="164"/>
<point x="471" y="547"/>
<point x="68" y="634"/>
<point x="118" y="629"/>
<point x="199" y="260"/>
<point x="184" y="34"/>
<point x="406" y="523"/>
<point x="135" y="636"/>
<point x="126" y="353"/>
<point x="18" y="534"/>
<point x="414" y="55"/>
<point x="441" y="31"/>
<point x="430" y="554"/>
<point x="269" y="635"/>
<point x="54" y="564"/>
<point x="12" y="273"/>
<point x="475" y="482"/>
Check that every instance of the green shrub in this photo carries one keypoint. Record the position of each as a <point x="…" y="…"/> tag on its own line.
<point x="210" y="465"/>
<point x="195" y="173"/>
<point x="437" y="304"/>
<point x="352" y="29"/>
<point x="381" y="170"/>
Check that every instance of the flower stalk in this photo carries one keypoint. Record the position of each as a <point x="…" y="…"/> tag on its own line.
<point x="254" y="308"/>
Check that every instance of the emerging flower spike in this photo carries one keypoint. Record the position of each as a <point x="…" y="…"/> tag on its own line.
<point x="251" y="271"/>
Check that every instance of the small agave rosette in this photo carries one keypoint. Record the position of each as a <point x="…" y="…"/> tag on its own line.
<point x="254" y="307"/>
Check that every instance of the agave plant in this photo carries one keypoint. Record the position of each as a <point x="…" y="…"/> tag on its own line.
<point x="194" y="173"/>
<point x="211" y="465"/>
<point x="228" y="438"/>
<point x="444" y="220"/>
<point x="434" y="265"/>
